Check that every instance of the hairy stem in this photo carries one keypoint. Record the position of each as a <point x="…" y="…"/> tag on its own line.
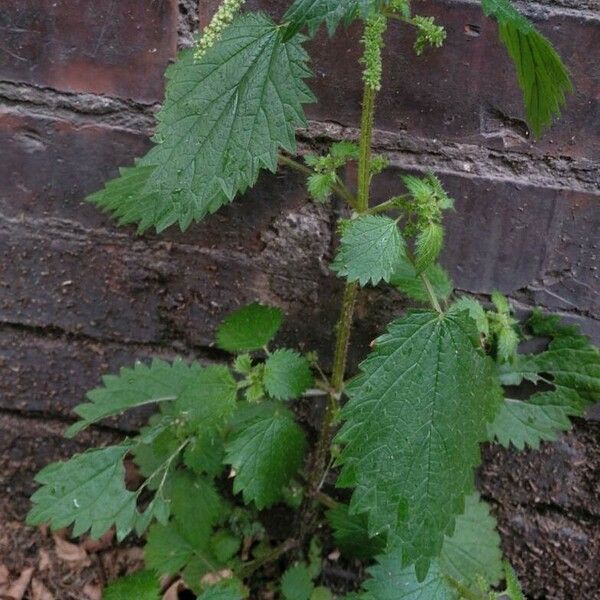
<point x="344" y="325"/>
<point x="431" y="293"/>
<point x="366" y="140"/>
<point x="339" y="188"/>
<point x="249" y="568"/>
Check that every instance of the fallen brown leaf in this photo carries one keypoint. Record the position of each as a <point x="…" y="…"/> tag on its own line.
<point x="173" y="590"/>
<point x="17" y="590"/>
<point x="214" y="578"/>
<point x="44" y="562"/>
<point x="92" y="591"/>
<point x="39" y="591"/>
<point x="75" y="555"/>
<point x="105" y="541"/>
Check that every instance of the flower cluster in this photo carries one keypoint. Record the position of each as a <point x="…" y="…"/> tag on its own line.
<point x="428" y="33"/>
<point x="373" y="43"/>
<point x="221" y="20"/>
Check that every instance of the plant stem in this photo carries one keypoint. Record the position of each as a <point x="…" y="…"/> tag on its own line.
<point x="344" y="325"/>
<point x="280" y="550"/>
<point x="431" y="293"/>
<point x="339" y="188"/>
<point x="366" y="139"/>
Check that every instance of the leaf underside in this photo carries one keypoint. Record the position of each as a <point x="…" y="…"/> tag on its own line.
<point x="542" y="76"/>
<point x="224" y="118"/>
<point x="413" y="423"/>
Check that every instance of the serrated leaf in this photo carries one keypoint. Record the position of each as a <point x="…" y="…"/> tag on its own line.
<point x="351" y="534"/>
<point x="224" y="590"/>
<point x="224" y="118"/>
<point x="390" y="581"/>
<point x="428" y="245"/>
<point x="250" y="328"/>
<point x="571" y="364"/>
<point x="287" y="375"/>
<point x="412" y="427"/>
<point x="137" y="386"/>
<point x="320" y="185"/>
<point x="541" y="418"/>
<point x="209" y="400"/>
<point x="141" y="586"/>
<point x="473" y="551"/>
<point x="296" y="583"/>
<point x="542" y="76"/>
<point x="321" y="593"/>
<point x="476" y="312"/>
<point x="204" y="454"/>
<point x="313" y="13"/>
<point x="513" y="587"/>
<point x="225" y="545"/>
<point x="88" y="491"/>
<point x="266" y="450"/>
<point x="370" y="248"/>
<point x="407" y="280"/>
<point x="150" y="456"/>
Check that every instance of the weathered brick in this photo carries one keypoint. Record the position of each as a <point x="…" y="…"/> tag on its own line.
<point x="114" y="48"/>
<point x="540" y="244"/>
<point x="50" y="373"/>
<point x="49" y="165"/>
<point x="465" y="92"/>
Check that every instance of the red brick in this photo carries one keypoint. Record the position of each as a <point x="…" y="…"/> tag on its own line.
<point x="117" y="48"/>
<point x="455" y="93"/>
<point x="48" y="166"/>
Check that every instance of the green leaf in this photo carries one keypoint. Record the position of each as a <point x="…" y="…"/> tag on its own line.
<point x="320" y="185"/>
<point x="141" y="586"/>
<point x="296" y="583"/>
<point x="204" y="454"/>
<point x="210" y="399"/>
<point x="313" y="13"/>
<point x="390" y="581"/>
<point x="351" y="534"/>
<point x="168" y="549"/>
<point x="321" y="593"/>
<point x="370" y="248"/>
<point x="150" y="456"/>
<point x="88" y="491"/>
<point x="250" y="328"/>
<point x="571" y="364"/>
<point x="266" y="450"/>
<point x="159" y="382"/>
<point x="225" y="545"/>
<point x="287" y="375"/>
<point x="407" y="280"/>
<point x="513" y="587"/>
<point x="225" y="590"/>
<point x="473" y="551"/>
<point x="476" y="312"/>
<point x="413" y="423"/>
<point x="542" y="76"/>
<point x="428" y="245"/>
<point x="541" y="418"/>
<point x="225" y="117"/>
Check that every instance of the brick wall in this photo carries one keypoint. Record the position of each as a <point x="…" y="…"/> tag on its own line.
<point x="79" y="84"/>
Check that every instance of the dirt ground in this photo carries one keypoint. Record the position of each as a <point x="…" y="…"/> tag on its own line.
<point x="546" y="503"/>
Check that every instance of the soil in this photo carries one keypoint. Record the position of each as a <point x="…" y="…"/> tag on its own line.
<point x="545" y="501"/>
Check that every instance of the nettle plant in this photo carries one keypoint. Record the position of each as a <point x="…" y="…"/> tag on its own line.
<point x="390" y="478"/>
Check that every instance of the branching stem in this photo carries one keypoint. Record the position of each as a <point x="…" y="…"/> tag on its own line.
<point x="339" y="188"/>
